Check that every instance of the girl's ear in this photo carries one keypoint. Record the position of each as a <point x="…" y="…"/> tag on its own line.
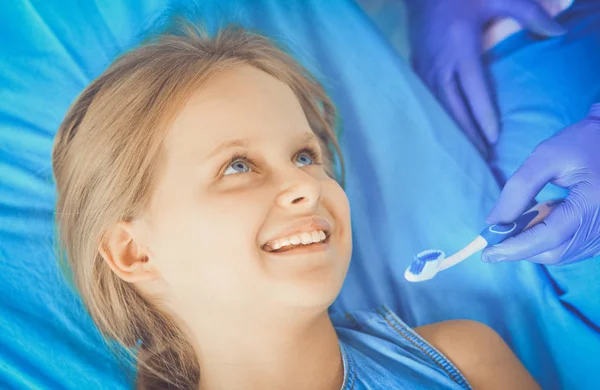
<point x="125" y="255"/>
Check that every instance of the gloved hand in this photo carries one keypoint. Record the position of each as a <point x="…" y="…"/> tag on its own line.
<point x="571" y="232"/>
<point x="446" y="43"/>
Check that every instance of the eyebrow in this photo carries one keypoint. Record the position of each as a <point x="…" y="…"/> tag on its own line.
<point x="308" y="137"/>
<point x="229" y="144"/>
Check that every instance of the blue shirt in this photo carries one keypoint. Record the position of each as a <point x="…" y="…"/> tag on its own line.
<point x="380" y="351"/>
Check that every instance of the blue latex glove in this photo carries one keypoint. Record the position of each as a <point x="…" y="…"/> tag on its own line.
<point x="570" y="159"/>
<point x="446" y="43"/>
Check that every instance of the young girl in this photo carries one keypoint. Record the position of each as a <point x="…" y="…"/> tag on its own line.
<point x="206" y="234"/>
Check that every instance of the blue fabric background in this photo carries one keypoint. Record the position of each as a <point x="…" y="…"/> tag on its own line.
<point x="413" y="180"/>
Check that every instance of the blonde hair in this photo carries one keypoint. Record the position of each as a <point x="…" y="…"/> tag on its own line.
<point x="105" y="161"/>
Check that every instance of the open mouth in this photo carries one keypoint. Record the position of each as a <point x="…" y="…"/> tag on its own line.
<point x="308" y="240"/>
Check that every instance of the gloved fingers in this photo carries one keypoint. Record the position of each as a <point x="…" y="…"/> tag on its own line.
<point x="551" y="257"/>
<point x="531" y="15"/>
<point x="426" y="72"/>
<point x="586" y="241"/>
<point x="419" y="65"/>
<point x="558" y="228"/>
<point x="439" y="65"/>
<point x="594" y="112"/>
<point x="578" y="255"/>
<point x="426" y="63"/>
<point x="522" y="187"/>
<point x="560" y="255"/>
<point x="476" y="90"/>
<point x="451" y="97"/>
<point x="506" y="251"/>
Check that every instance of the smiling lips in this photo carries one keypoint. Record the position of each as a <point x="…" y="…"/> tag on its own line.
<point x="305" y="232"/>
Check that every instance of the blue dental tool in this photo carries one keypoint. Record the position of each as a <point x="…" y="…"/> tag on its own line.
<point x="428" y="263"/>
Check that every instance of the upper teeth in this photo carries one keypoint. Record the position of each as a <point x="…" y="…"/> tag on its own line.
<point x="304" y="238"/>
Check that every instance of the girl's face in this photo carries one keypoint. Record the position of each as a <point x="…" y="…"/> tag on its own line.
<point x="241" y="177"/>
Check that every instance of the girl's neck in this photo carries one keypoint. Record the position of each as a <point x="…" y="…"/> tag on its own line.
<point x="269" y="352"/>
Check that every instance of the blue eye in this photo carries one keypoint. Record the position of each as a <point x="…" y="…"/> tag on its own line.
<point x="237" y="166"/>
<point x="304" y="158"/>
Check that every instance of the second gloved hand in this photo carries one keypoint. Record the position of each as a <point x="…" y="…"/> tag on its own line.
<point x="446" y="43"/>
<point x="571" y="232"/>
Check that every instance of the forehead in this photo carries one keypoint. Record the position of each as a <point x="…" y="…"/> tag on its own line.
<point x="240" y="102"/>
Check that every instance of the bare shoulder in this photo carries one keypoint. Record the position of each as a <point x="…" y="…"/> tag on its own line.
<point x="479" y="353"/>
